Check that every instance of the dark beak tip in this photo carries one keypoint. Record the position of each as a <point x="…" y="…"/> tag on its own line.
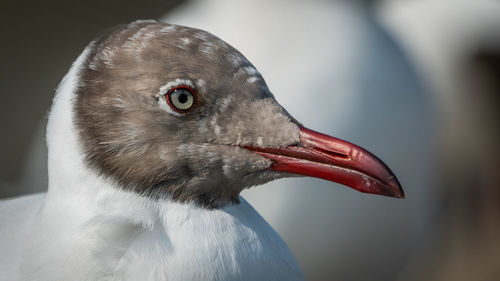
<point x="387" y="190"/>
<point x="390" y="186"/>
<point x="401" y="194"/>
<point x="396" y="189"/>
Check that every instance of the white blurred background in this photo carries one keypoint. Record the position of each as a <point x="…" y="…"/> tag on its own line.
<point x="417" y="82"/>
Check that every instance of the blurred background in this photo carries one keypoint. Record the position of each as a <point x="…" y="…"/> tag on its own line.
<point x="417" y="82"/>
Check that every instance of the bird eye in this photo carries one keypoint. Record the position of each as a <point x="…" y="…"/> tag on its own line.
<point x="181" y="98"/>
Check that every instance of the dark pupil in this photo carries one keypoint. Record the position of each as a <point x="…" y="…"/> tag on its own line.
<point x="183" y="98"/>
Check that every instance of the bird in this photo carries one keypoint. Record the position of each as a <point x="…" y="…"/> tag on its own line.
<point x="152" y="135"/>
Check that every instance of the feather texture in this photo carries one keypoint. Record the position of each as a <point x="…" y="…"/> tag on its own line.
<point x="86" y="228"/>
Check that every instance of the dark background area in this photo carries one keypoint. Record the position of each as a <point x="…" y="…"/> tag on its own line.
<point x="40" y="40"/>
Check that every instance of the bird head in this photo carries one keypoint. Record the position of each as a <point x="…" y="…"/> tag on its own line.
<point x="174" y="112"/>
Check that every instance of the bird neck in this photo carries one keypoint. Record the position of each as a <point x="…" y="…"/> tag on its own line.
<point x="99" y="227"/>
<point x="65" y="159"/>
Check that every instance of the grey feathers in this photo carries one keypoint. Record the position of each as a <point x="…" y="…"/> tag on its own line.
<point x="128" y="134"/>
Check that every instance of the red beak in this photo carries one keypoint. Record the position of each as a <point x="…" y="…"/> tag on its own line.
<point x="321" y="156"/>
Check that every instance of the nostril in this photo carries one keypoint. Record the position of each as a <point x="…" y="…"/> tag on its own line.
<point x="333" y="153"/>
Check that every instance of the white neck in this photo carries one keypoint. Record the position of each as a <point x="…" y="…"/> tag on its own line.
<point x="95" y="231"/>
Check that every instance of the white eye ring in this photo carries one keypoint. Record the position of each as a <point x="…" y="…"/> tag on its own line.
<point x="181" y="98"/>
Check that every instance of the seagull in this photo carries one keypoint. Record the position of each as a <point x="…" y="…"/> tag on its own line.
<point x="152" y="135"/>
